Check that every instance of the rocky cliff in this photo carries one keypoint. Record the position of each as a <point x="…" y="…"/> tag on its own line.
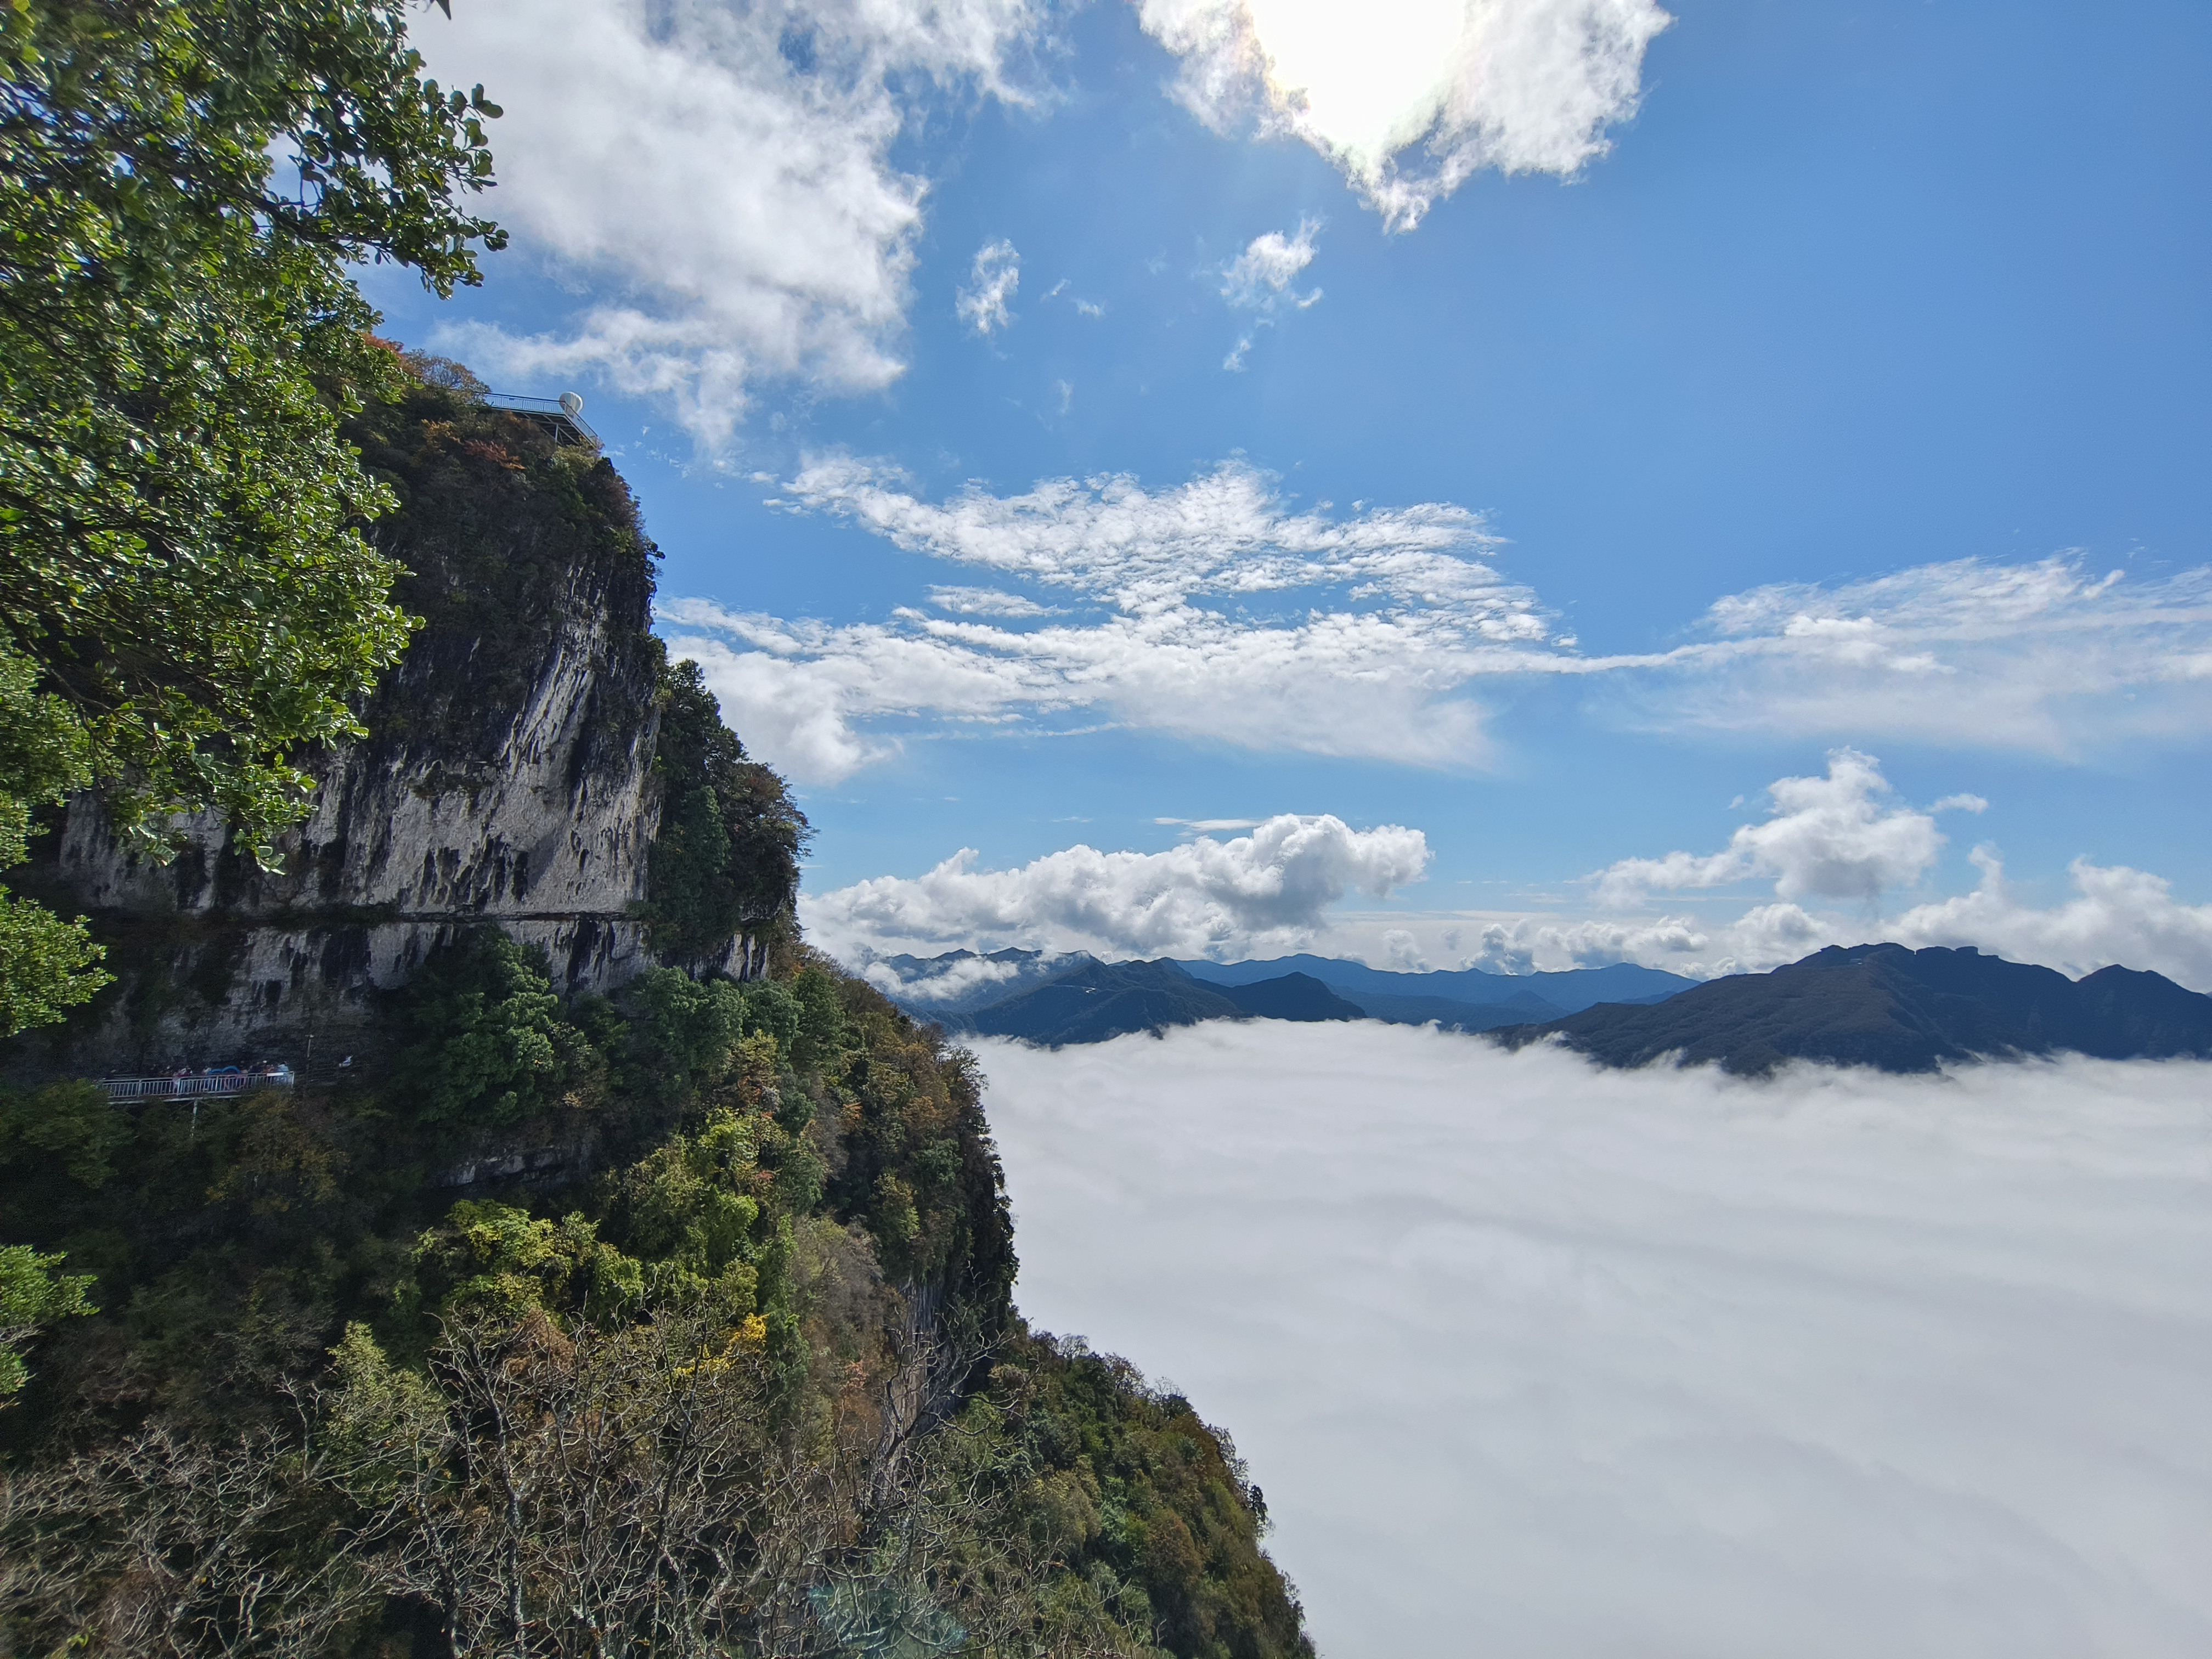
<point x="507" y="777"/>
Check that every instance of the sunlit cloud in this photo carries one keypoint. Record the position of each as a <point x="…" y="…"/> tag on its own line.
<point x="1260" y="893"/>
<point x="1410" y="98"/>
<point x="1844" y="838"/>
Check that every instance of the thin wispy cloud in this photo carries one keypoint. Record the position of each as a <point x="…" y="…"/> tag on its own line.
<point x="718" y="178"/>
<point x="1557" y="1361"/>
<point x="1260" y="893"/>
<point x="2053" y="657"/>
<point x="1217" y="610"/>
<point x="993" y="280"/>
<point x="1260" y="281"/>
<point x="1411" y="98"/>
<point x="986" y="602"/>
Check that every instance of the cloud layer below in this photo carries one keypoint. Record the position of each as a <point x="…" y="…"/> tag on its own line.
<point x="1532" y="1360"/>
<point x="1410" y="98"/>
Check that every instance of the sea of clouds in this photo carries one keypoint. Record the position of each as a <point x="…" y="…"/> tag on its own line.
<point x="1534" y="1360"/>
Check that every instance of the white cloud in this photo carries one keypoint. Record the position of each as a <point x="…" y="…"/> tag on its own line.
<point x="1259" y="280"/>
<point x="1192" y="628"/>
<point x="720" y="176"/>
<point x="1217" y="610"/>
<point x="1403" y="953"/>
<point x="992" y="280"/>
<point x="1410" y="98"/>
<point x="1827" y="1366"/>
<point x="2050" y="657"/>
<point x="986" y="602"/>
<point x="1838" y="837"/>
<point x="1208" y="826"/>
<point x="946" y="984"/>
<point x="2117" y="916"/>
<point x="1260" y="894"/>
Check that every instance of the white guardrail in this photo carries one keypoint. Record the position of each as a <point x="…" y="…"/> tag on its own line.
<point x="183" y="1086"/>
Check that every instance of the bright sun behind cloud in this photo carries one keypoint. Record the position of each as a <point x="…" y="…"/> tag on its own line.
<point x="1370" y="85"/>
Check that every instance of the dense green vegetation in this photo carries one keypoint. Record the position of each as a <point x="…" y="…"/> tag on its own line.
<point x="727" y="860"/>
<point x="185" y="595"/>
<point x="760" y="1222"/>
<point x="676" y="1322"/>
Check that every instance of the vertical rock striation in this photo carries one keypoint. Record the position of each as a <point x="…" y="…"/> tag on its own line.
<point x="506" y="776"/>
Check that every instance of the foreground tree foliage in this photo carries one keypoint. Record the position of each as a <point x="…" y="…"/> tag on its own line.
<point x="185" y="595"/>
<point x="738" y="1375"/>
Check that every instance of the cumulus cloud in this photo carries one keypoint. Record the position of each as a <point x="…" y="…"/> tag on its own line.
<point x="1258" y="280"/>
<point x="1261" y="893"/>
<point x="1838" y="836"/>
<point x="2117" y="916"/>
<point x="992" y="280"/>
<point x="721" y="176"/>
<point x="1841" y="837"/>
<point x="1191" y="623"/>
<point x="1410" y="98"/>
<point x="1834" y="1365"/>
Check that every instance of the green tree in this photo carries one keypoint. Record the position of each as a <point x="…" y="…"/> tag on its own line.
<point x="481" y="1038"/>
<point x="726" y="858"/>
<point x="32" y="1295"/>
<point x="186" y="596"/>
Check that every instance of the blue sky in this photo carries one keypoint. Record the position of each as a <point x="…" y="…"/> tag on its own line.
<point x="1319" y="543"/>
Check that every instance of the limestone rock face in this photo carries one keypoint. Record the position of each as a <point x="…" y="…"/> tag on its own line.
<point x="545" y="835"/>
<point x="507" y="779"/>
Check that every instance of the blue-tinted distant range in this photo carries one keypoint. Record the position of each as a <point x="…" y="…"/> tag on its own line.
<point x="1515" y="484"/>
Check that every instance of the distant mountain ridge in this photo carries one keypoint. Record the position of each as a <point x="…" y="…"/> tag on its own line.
<point x="1076" y="998"/>
<point x="1567" y="991"/>
<point x="1895" y="1009"/>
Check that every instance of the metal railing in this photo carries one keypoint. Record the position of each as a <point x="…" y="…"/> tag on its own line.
<point x="193" y="1084"/>
<point x="565" y="411"/>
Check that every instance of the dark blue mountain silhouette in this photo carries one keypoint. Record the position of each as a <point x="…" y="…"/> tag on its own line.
<point x="1895" y="1009"/>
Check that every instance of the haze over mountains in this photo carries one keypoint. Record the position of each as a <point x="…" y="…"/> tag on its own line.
<point x="1882" y="1005"/>
<point x="1076" y="998"/>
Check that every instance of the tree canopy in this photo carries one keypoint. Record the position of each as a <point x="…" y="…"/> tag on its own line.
<point x="186" y="596"/>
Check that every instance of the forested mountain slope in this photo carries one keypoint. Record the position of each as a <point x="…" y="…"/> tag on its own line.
<point x="1895" y="1009"/>
<point x="647" y="1296"/>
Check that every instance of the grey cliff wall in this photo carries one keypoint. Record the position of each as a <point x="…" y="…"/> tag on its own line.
<point x="546" y="836"/>
<point x="507" y="779"/>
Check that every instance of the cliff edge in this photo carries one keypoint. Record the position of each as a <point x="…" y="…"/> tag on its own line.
<point x="506" y="776"/>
